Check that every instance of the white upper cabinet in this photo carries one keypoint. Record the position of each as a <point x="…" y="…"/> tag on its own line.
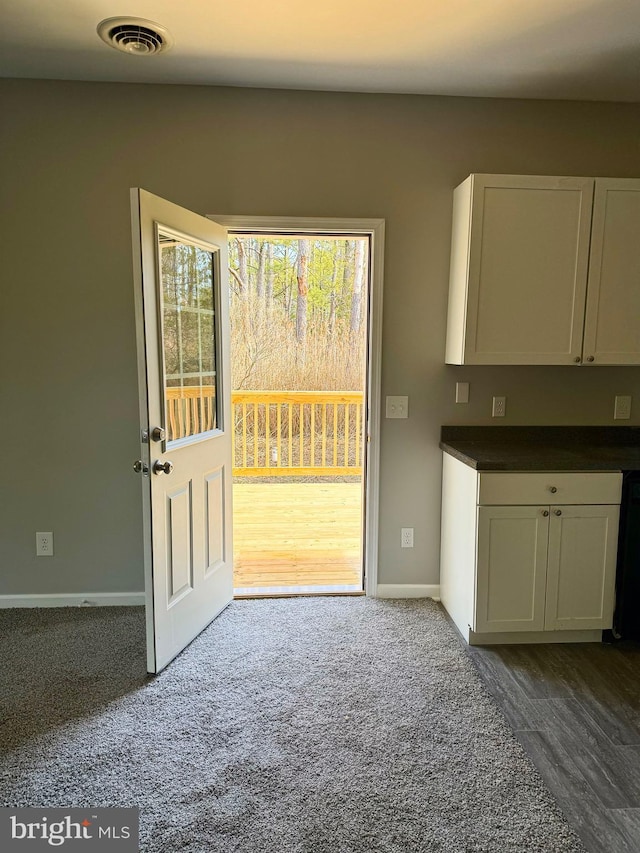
<point x="521" y="256"/>
<point x="612" y="321"/>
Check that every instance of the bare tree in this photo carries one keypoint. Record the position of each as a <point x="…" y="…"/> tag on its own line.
<point x="241" y="275"/>
<point x="260" y="274"/>
<point x="331" y="322"/>
<point x="302" y="276"/>
<point x="358" y="285"/>
<point x="270" y="275"/>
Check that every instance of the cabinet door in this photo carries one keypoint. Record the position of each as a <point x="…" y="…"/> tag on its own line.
<point x="527" y="269"/>
<point x="511" y="568"/>
<point x="612" y="321"/>
<point x="582" y="566"/>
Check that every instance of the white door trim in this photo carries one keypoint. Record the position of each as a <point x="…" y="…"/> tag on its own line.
<point x="374" y="229"/>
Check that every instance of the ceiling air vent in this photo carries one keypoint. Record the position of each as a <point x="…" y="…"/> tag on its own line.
<point x="135" y="35"/>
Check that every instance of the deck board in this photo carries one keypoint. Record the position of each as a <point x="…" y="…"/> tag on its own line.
<point x="297" y="534"/>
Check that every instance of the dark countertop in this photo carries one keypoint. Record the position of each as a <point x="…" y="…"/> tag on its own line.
<point x="540" y="448"/>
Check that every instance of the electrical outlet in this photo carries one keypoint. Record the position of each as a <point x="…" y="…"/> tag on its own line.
<point x="622" y="408"/>
<point x="44" y="544"/>
<point x="406" y="537"/>
<point x="499" y="409"/>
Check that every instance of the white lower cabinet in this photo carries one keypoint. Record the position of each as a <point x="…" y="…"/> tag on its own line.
<point x="545" y="568"/>
<point x="581" y="567"/>
<point x="512" y="569"/>
<point x="529" y="571"/>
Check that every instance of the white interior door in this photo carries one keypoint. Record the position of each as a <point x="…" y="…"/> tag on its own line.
<point x="182" y="307"/>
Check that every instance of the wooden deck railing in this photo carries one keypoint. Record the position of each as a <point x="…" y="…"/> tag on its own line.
<point x="190" y="412"/>
<point x="280" y="433"/>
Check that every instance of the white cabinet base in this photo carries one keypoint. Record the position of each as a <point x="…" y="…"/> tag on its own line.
<point x="531" y="637"/>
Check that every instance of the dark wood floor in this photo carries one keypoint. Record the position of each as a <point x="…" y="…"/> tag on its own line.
<point x="576" y="711"/>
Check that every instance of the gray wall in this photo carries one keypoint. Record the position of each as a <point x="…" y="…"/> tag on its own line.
<point x="69" y="153"/>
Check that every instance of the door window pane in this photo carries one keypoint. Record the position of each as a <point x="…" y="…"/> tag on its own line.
<point x="188" y="338"/>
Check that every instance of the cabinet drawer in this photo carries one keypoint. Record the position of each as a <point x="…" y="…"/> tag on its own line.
<point x="504" y="489"/>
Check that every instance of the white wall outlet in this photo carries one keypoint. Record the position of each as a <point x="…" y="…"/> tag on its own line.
<point x="462" y="392"/>
<point x="397" y="407"/>
<point x="499" y="408"/>
<point x="406" y="537"/>
<point x="622" y="408"/>
<point x="44" y="544"/>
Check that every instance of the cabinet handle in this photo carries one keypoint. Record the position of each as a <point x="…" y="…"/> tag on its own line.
<point x="557" y="512"/>
<point x="590" y="358"/>
<point x="553" y="489"/>
<point x="577" y="359"/>
<point x="545" y="512"/>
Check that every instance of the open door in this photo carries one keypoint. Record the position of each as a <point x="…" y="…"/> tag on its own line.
<point x="182" y="314"/>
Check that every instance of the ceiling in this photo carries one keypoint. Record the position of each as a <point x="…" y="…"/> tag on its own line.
<point x="566" y="49"/>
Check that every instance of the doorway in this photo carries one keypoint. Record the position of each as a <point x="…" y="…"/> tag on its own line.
<point x="305" y="375"/>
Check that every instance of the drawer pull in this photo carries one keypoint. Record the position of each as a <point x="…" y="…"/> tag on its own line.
<point x="545" y="512"/>
<point x="557" y="512"/>
<point x="553" y="489"/>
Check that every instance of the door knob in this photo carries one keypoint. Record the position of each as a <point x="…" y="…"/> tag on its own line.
<point x="162" y="467"/>
<point x="557" y="512"/>
<point x="157" y="434"/>
<point x="140" y="467"/>
<point x="545" y="512"/>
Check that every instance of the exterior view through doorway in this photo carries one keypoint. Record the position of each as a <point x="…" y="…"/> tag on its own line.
<point x="299" y="307"/>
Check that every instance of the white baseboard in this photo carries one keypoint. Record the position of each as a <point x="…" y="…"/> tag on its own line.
<point x="72" y="599"/>
<point x="408" y="590"/>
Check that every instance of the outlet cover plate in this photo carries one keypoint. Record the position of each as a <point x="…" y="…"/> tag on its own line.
<point x="499" y="408"/>
<point x="44" y="544"/>
<point x="622" y="408"/>
<point x="406" y="537"/>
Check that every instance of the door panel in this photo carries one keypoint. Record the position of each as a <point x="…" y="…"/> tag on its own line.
<point x="511" y="568"/>
<point x="180" y="544"/>
<point x="529" y="250"/>
<point x="180" y="264"/>
<point x="215" y="520"/>
<point x="582" y="564"/>
<point x="613" y="299"/>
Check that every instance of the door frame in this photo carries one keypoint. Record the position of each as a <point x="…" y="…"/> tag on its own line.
<point x="374" y="229"/>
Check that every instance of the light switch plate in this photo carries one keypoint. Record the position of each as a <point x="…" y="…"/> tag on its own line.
<point x="397" y="407"/>
<point x="462" y="392"/>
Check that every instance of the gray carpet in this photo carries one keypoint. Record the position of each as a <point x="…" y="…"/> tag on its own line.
<point x="319" y="725"/>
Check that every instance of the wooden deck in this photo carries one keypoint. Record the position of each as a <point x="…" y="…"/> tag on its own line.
<point x="297" y="535"/>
